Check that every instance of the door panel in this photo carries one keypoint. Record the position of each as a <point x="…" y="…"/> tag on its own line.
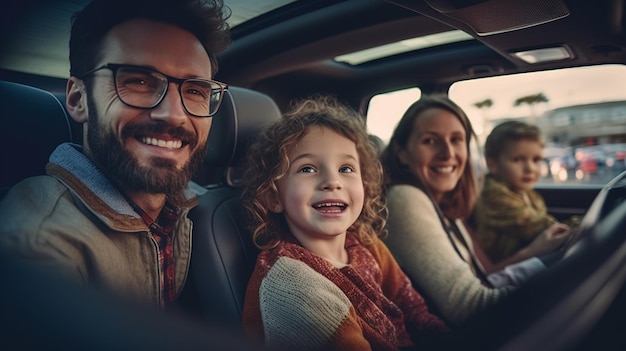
<point x="564" y="201"/>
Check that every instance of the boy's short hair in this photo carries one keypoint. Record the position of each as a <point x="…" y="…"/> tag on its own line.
<point x="507" y="132"/>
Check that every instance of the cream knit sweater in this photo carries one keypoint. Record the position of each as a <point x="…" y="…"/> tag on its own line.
<point x="296" y="300"/>
<point x="422" y="248"/>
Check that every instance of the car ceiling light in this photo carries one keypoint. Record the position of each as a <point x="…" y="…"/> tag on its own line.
<point x="544" y="55"/>
<point x="402" y="46"/>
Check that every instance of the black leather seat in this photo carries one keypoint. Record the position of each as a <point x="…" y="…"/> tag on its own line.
<point x="223" y="255"/>
<point x="34" y="123"/>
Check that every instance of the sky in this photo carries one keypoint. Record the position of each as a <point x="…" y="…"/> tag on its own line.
<point x="562" y="88"/>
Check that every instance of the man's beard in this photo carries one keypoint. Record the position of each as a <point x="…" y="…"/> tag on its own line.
<point x="123" y="169"/>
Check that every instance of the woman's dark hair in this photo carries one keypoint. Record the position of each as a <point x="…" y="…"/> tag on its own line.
<point x="459" y="202"/>
<point x="205" y="19"/>
<point x="268" y="161"/>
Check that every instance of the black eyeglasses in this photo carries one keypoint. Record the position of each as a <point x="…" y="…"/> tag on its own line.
<point x="145" y="88"/>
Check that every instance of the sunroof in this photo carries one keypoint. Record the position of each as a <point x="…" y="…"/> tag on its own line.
<point x="399" y="47"/>
<point x="245" y="10"/>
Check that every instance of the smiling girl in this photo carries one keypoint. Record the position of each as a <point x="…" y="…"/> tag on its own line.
<point x="324" y="280"/>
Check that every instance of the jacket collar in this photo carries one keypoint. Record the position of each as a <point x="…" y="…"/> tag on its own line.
<point x="68" y="164"/>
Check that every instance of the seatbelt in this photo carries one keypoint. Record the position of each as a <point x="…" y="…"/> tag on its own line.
<point x="453" y="228"/>
<point x="478" y="268"/>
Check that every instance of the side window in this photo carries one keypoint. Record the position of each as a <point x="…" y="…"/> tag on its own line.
<point x="385" y="110"/>
<point x="581" y="113"/>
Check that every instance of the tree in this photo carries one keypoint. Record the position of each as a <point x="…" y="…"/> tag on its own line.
<point x="531" y="101"/>
<point x="483" y="106"/>
<point x="487" y="103"/>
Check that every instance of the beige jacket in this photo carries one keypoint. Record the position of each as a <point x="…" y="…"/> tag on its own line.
<point x="76" y="222"/>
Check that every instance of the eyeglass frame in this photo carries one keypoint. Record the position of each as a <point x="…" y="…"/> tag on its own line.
<point x="113" y="67"/>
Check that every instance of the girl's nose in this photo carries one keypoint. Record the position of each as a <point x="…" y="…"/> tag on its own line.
<point x="331" y="182"/>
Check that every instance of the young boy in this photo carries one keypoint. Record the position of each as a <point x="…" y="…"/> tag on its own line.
<point x="509" y="213"/>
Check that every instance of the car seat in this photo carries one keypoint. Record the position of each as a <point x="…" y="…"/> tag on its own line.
<point x="223" y="254"/>
<point x="35" y="122"/>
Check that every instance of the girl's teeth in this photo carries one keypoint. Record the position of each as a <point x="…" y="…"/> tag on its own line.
<point x="328" y="204"/>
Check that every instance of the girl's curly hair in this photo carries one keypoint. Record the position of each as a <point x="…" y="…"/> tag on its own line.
<point x="267" y="162"/>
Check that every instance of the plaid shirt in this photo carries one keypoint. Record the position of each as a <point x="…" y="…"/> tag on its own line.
<point x="161" y="229"/>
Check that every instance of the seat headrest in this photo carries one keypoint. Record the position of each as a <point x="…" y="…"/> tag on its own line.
<point x="242" y="115"/>
<point x="34" y="124"/>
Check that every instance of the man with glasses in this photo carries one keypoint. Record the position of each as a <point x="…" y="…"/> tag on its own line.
<point x="113" y="212"/>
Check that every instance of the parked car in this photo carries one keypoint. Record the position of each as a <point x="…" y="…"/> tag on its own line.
<point x="563" y="168"/>
<point x="599" y="163"/>
<point x="378" y="56"/>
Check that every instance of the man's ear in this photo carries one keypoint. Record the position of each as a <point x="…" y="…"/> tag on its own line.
<point x="76" y="100"/>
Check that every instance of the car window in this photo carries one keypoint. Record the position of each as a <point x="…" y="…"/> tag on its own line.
<point x="385" y="110"/>
<point x="244" y="10"/>
<point x="580" y="111"/>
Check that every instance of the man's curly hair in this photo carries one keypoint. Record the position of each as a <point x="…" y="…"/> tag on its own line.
<point x="267" y="162"/>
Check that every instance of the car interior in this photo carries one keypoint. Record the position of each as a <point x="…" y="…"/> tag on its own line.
<point x="43" y="124"/>
<point x="292" y="52"/>
<point x="223" y="257"/>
